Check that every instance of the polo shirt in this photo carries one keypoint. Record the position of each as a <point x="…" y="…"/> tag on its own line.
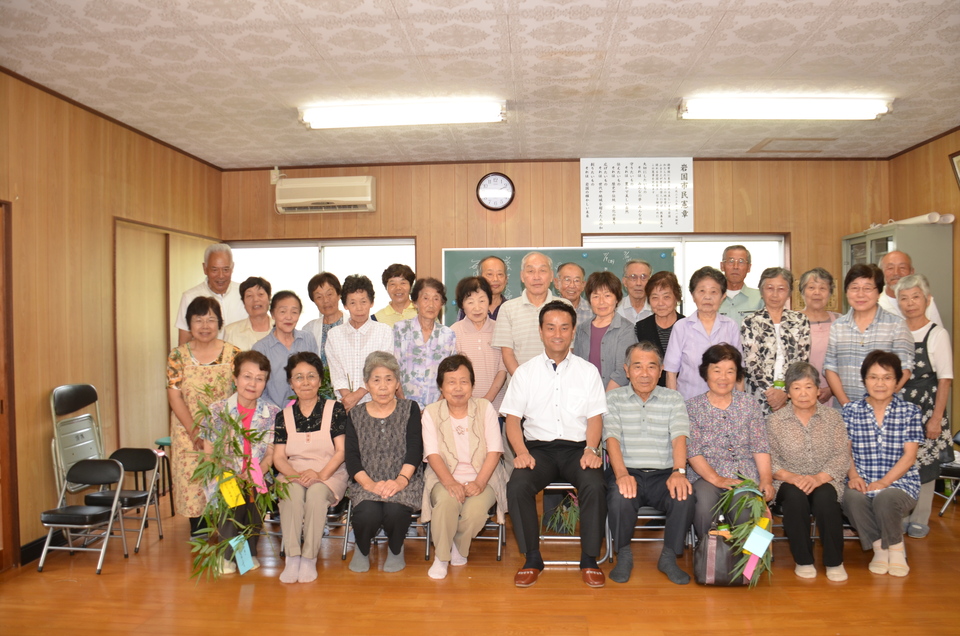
<point x="645" y="430"/>
<point x="625" y="309"/>
<point x="518" y="326"/>
<point x="390" y="316"/>
<point x="740" y="306"/>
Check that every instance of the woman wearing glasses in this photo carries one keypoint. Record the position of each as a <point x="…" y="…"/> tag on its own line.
<point x="865" y="328"/>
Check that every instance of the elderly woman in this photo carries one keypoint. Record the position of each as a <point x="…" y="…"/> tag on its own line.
<point x="663" y="294"/>
<point x="324" y="290"/>
<point x="603" y="340"/>
<point x="697" y="332"/>
<point x="773" y="338"/>
<point x="727" y="436"/>
<point x="422" y="342"/>
<point x="308" y="453"/>
<point x="248" y="408"/>
<point x="865" y="328"/>
<point x="474" y="333"/>
<point x="883" y="483"/>
<point x="817" y="287"/>
<point x="284" y="340"/>
<point x="464" y="476"/>
<point x="200" y="371"/>
<point x="928" y="388"/>
<point x="384" y="453"/>
<point x="255" y="293"/>
<point x="810" y="458"/>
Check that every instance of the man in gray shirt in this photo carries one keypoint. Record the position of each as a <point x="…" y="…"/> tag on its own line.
<point x="741" y="300"/>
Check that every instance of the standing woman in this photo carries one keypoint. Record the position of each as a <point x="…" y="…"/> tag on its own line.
<point x="384" y="455"/>
<point x="603" y="341"/>
<point x="474" y="334"/>
<point x="817" y="287"/>
<point x="200" y="371"/>
<point x="284" y="340"/>
<point x="324" y="290"/>
<point x="663" y="294"/>
<point x="420" y="343"/>
<point x="255" y="293"/>
<point x="928" y="388"/>
<point x="308" y="453"/>
<point x="773" y="338"/>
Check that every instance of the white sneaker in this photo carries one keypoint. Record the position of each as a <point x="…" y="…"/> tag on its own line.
<point x="227" y="566"/>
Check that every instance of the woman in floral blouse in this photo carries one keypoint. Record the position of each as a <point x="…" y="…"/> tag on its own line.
<point x="420" y="343"/>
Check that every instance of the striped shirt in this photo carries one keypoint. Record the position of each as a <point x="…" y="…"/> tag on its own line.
<point x="847" y="347"/>
<point x="518" y="326"/>
<point x="347" y="349"/>
<point x="485" y="358"/>
<point x="877" y="448"/>
<point x="645" y="430"/>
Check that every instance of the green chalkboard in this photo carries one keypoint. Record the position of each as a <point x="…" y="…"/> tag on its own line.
<point x="459" y="263"/>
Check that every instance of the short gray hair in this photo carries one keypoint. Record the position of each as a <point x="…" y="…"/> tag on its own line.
<point x="636" y="261"/>
<point x="217" y="248"/>
<point x="801" y="371"/>
<point x="378" y="359"/>
<point x="643" y="345"/>
<point x="773" y="272"/>
<point x="820" y="274"/>
<point x="529" y="255"/>
<point x="914" y="280"/>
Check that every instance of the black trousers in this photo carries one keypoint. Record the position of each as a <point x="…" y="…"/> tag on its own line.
<point x="821" y="503"/>
<point x="557" y="461"/>
<point x="369" y="516"/>
<point x="246" y="514"/>
<point x="651" y="491"/>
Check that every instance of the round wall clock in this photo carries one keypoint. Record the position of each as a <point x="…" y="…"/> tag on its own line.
<point x="495" y="191"/>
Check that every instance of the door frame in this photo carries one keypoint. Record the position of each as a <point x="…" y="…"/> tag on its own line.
<point x="9" y="497"/>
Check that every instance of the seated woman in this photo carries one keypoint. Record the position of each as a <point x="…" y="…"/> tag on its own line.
<point x="285" y="339"/>
<point x="255" y="293"/>
<point x="883" y="482"/>
<point x="810" y="459"/>
<point x="603" y="340"/>
<point x="308" y="451"/>
<point x="663" y="294"/>
<point x="420" y="343"/>
<point x="384" y="454"/>
<point x="250" y="372"/>
<point x="928" y="388"/>
<point x="464" y="477"/>
<point x="727" y="436"/>
<point x="772" y="339"/>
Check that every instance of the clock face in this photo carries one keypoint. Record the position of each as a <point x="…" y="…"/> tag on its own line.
<point x="495" y="191"/>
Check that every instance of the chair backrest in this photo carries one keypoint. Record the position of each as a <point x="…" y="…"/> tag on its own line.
<point x="96" y="472"/>
<point x="74" y="438"/>
<point x="136" y="460"/>
<point x="70" y="398"/>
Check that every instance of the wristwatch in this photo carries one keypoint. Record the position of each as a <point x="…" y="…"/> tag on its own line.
<point x="682" y="471"/>
<point x="595" y="451"/>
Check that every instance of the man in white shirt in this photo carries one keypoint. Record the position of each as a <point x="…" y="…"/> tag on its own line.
<point x="896" y="265"/>
<point x="561" y="401"/>
<point x="740" y="300"/>
<point x="217" y="269"/>
<point x="634" y="305"/>
<point x="349" y="344"/>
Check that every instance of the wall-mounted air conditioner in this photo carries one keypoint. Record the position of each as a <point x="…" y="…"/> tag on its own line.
<point x="326" y="194"/>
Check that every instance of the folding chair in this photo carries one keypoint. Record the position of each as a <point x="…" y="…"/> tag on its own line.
<point x="135" y="460"/>
<point x="78" y="437"/>
<point x="81" y="521"/>
<point x="500" y="530"/>
<point x="336" y="518"/>
<point x="950" y="472"/>
<point x="415" y="523"/>
<point x="607" y="543"/>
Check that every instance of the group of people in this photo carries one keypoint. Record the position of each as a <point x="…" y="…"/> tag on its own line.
<point x="617" y="394"/>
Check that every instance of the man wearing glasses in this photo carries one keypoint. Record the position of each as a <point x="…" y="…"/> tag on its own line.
<point x="741" y="300"/>
<point x="569" y="283"/>
<point x="634" y="305"/>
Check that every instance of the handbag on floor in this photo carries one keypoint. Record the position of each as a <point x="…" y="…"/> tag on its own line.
<point x="714" y="559"/>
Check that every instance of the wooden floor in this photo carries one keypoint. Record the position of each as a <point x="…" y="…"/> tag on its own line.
<point x="151" y="593"/>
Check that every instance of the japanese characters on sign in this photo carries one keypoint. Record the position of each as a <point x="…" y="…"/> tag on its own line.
<point x="646" y="194"/>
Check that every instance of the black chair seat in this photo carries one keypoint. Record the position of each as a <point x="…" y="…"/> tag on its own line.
<point x="128" y="498"/>
<point x="76" y="515"/>
<point x="950" y="470"/>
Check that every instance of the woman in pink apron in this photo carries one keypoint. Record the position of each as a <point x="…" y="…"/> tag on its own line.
<point x="308" y="453"/>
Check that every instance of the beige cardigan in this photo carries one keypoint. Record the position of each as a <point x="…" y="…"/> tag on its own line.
<point x="476" y="410"/>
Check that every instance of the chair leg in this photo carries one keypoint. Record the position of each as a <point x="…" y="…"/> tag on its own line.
<point x="346" y="531"/>
<point x="106" y="541"/>
<point x="501" y="540"/>
<point x="156" y="507"/>
<point x="123" y="533"/>
<point x="46" y="548"/>
<point x="953" y="495"/>
<point x="426" y="552"/>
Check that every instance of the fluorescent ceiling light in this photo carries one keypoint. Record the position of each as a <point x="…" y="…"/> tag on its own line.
<point x="847" y="108"/>
<point x="405" y="113"/>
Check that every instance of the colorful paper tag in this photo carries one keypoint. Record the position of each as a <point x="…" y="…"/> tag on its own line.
<point x="241" y="554"/>
<point x="758" y="541"/>
<point x="230" y="491"/>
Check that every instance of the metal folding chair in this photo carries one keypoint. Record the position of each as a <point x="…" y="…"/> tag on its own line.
<point x="78" y="437"/>
<point x="544" y="538"/>
<point x="135" y="460"/>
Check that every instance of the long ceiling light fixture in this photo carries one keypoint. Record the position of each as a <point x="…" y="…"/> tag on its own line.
<point x="403" y="113"/>
<point x="836" y="108"/>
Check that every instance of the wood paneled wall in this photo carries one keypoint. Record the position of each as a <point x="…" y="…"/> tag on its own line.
<point x="68" y="173"/>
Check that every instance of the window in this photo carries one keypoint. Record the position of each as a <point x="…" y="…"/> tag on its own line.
<point x="291" y="264"/>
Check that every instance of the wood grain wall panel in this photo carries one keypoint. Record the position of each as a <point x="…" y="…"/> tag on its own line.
<point x="68" y="173"/>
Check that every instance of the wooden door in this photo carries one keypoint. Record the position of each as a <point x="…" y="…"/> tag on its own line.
<point x="9" y="517"/>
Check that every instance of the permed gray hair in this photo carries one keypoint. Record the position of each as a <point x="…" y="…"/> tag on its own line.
<point x="820" y="274"/>
<point x="378" y="359"/>
<point x="914" y="280"/>
<point x="215" y="248"/>
<point x="801" y="371"/>
<point x="773" y="272"/>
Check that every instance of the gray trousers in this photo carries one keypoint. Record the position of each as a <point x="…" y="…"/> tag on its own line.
<point x="651" y="491"/>
<point x="707" y="496"/>
<point x="878" y="516"/>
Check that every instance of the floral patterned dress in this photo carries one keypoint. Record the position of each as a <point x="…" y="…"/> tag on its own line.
<point x="191" y="378"/>
<point x="419" y="360"/>
<point x="761" y="341"/>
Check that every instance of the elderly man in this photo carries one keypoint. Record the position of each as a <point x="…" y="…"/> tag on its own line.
<point x="645" y="432"/>
<point x="740" y="300"/>
<point x="217" y="269"/>
<point x="634" y="305"/>
<point x="516" y="332"/>
<point x="560" y="399"/>
<point x="896" y="265"/>
<point x="569" y="283"/>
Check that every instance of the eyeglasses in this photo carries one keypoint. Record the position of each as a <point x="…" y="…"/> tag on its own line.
<point x="635" y="277"/>
<point x="866" y="289"/>
<point x="566" y="280"/>
<point x="735" y="261"/>
<point x="310" y="377"/>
